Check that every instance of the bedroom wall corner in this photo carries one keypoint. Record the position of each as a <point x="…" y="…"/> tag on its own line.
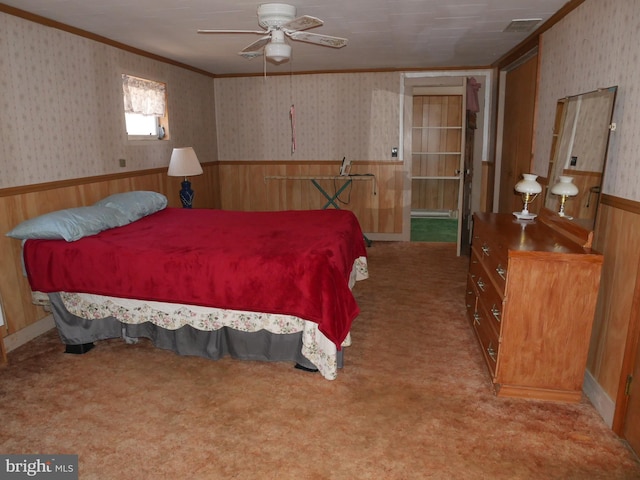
<point x="61" y="146"/>
<point x="593" y="47"/>
<point x="59" y="133"/>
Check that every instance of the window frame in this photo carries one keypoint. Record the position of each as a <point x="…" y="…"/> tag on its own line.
<point x="162" y="122"/>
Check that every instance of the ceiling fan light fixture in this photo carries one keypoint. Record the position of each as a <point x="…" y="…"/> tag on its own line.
<point x="279" y="21"/>
<point x="277" y="52"/>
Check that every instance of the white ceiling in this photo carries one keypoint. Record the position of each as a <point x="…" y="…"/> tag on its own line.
<point x="397" y="34"/>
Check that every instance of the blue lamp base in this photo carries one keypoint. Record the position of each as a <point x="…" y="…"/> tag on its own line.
<point x="186" y="194"/>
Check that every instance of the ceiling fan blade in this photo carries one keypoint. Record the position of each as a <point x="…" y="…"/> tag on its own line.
<point x="302" y="23"/>
<point x="259" y="32"/>
<point x="257" y="45"/>
<point x="326" y="40"/>
<point x="250" y="55"/>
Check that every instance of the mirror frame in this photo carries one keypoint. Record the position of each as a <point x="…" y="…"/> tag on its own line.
<point x="579" y="230"/>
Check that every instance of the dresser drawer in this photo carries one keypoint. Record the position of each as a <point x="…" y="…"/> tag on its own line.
<point x="471" y="300"/>
<point x="486" y="290"/>
<point x="491" y="301"/>
<point x="492" y="254"/>
<point x="488" y="339"/>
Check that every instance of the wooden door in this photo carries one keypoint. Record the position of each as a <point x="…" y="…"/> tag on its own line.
<point x="436" y="152"/>
<point x="467" y="179"/>
<point x="437" y="145"/>
<point x="631" y="430"/>
<point x="517" y="135"/>
<point x="631" y="394"/>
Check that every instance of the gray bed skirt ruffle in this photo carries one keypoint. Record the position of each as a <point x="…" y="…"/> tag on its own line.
<point x="261" y="345"/>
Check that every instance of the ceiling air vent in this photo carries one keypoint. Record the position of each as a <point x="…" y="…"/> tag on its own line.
<point x="522" y="25"/>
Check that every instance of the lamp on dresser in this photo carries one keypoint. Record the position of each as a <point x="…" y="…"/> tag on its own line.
<point x="564" y="188"/>
<point x="184" y="163"/>
<point x="529" y="188"/>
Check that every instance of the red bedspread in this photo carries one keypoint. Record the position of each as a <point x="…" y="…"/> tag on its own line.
<point x="292" y="262"/>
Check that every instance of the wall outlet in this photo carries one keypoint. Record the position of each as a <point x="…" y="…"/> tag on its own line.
<point x="394" y="152"/>
<point x="123" y="162"/>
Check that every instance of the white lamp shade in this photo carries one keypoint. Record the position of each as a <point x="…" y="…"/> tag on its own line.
<point x="528" y="184"/>
<point x="565" y="187"/>
<point x="278" y="52"/>
<point x="184" y="163"/>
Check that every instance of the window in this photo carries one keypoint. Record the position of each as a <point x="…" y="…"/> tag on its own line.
<point x="145" y="108"/>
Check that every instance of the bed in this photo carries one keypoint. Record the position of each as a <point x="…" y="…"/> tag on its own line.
<point x="273" y="286"/>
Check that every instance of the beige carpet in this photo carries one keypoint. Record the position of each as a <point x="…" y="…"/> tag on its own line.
<point x="413" y="401"/>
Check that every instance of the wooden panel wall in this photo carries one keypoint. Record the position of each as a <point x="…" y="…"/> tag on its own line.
<point x="486" y="190"/>
<point x="517" y="143"/>
<point x="617" y="236"/>
<point x="21" y="203"/>
<point x="376" y="200"/>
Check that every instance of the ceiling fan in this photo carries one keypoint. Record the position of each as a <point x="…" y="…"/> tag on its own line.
<point x="279" y="21"/>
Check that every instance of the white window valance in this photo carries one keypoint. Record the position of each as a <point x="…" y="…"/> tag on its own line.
<point x="144" y="97"/>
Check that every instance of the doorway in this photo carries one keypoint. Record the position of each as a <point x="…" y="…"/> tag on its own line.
<point x="437" y="146"/>
<point x="447" y="83"/>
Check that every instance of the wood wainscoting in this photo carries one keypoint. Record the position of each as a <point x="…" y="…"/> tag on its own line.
<point x="21" y="203"/>
<point x="614" y="338"/>
<point x="376" y="197"/>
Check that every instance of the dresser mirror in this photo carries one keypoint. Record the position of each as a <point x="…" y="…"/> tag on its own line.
<point x="578" y="151"/>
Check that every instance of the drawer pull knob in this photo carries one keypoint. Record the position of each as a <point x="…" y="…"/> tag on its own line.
<point x="495" y="312"/>
<point x="485" y="249"/>
<point x="480" y="284"/>
<point x="476" y="318"/>
<point x="501" y="271"/>
<point x="491" y="352"/>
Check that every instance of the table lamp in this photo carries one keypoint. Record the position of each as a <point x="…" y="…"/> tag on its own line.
<point x="529" y="188"/>
<point x="564" y="188"/>
<point x="184" y="163"/>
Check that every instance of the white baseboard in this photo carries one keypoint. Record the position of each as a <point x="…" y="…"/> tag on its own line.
<point x="599" y="398"/>
<point x="15" y="340"/>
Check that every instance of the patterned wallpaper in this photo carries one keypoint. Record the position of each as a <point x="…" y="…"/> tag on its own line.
<point x="62" y="114"/>
<point x="597" y="45"/>
<point x="336" y="115"/>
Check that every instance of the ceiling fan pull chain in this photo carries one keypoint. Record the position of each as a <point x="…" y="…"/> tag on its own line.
<point x="292" y="114"/>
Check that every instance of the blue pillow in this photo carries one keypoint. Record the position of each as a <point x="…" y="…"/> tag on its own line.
<point x="135" y="205"/>
<point x="70" y="224"/>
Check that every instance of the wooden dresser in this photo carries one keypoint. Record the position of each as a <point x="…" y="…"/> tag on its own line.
<point x="531" y="299"/>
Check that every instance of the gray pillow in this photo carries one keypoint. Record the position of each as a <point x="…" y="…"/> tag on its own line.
<point x="136" y="204"/>
<point x="70" y="224"/>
